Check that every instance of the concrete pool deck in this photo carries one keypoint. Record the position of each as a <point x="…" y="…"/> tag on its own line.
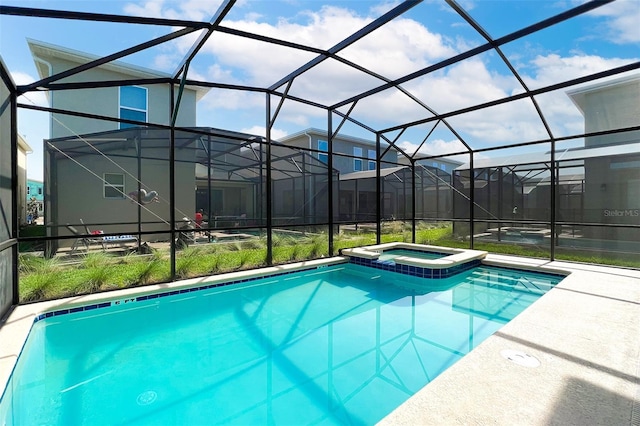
<point x="585" y="332"/>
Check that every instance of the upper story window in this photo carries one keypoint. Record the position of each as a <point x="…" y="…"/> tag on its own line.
<point x="323" y="146"/>
<point x="372" y="159"/>
<point x="39" y="191"/>
<point x="133" y="104"/>
<point x="113" y="185"/>
<point x="28" y="190"/>
<point x="357" y="162"/>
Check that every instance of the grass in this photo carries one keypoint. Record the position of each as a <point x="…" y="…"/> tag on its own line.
<point x="39" y="277"/>
<point x="44" y="279"/>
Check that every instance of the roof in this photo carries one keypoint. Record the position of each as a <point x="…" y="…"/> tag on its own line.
<point x="322" y="133"/>
<point x="231" y="156"/>
<point x="41" y="50"/>
<point x="579" y="95"/>
<point x="545" y="157"/>
<point x="368" y="174"/>
<point x="23" y="145"/>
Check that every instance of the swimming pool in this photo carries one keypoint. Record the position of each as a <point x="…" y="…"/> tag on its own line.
<point x="338" y="344"/>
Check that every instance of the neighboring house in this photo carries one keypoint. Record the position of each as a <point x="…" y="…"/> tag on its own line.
<point x="359" y="154"/>
<point x="358" y="194"/>
<point x="149" y="103"/>
<point x="598" y="183"/>
<point x="35" y="197"/>
<point x="222" y="171"/>
<point x="92" y="188"/>
<point x="355" y="160"/>
<point x="23" y="150"/>
<point x="612" y="179"/>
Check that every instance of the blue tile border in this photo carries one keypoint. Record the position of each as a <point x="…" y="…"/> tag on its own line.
<point x="391" y="266"/>
<point x="416" y="271"/>
<point x="164" y="294"/>
<point x="421" y="272"/>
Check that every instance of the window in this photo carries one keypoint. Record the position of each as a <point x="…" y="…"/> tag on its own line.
<point x="133" y="104"/>
<point x="372" y="159"/>
<point x="113" y="185"/>
<point x="357" y="162"/>
<point x="323" y="146"/>
<point x="28" y="190"/>
<point x="39" y="191"/>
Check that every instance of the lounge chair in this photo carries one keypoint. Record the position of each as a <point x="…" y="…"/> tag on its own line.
<point x="116" y="240"/>
<point x="85" y="240"/>
<point x="96" y="237"/>
<point x="119" y="240"/>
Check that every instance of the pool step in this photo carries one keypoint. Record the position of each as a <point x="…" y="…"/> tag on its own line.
<point x="537" y="285"/>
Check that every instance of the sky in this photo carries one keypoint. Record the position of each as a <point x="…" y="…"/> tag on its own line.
<point x="426" y="34"/>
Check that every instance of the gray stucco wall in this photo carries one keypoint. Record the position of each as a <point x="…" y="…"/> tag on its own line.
<point x="105" y="101"/>
<point x="7" y="259"/>
<point x="79" y="193"/>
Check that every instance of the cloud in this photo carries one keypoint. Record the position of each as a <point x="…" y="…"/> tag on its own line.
<point x="32" y="98"/>
<point x="232" y="99"/>
<point x="437" y="147"/>
<point x="194" y="10"/>
<point x="261" y="131"/>
<point x="402" y="46"/>
<point x="553" y="68"/>
<point x="623" y="18"/>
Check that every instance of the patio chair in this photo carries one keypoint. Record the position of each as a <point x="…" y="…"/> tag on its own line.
<point x="85" y="240"/>
<point x="186" y="234"/>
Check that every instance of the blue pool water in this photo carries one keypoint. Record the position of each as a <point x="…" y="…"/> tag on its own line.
<point x="393" y="253"/>
<point x="337" y="345"/>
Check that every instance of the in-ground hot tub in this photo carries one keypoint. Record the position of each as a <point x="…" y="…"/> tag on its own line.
<point x="416" y="259"/>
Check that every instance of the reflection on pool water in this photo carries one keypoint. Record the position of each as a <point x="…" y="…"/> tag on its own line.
<point x="335" y="345"/>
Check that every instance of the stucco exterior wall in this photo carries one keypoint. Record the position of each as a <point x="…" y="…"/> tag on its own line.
<point x="106" y="102"/>
<point x="7" y="254"/>
<point x="85" y="198"/>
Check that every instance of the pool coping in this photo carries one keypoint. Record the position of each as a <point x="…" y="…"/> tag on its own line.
<point x="472" y="391"/>
<point x="456" y="257"/>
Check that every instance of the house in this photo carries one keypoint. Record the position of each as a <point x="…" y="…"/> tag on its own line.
<point x="355" y="161"/>
<point x="611" y="181"/>
<point x="146" y="103"/>
<point x="351" y="154"/>
<point x="219" y="172"/>
<point x="596" y="184"/>
<point x="23" y="150"/>
<point x="95" y="188"/>
<point x="35" y="197"/>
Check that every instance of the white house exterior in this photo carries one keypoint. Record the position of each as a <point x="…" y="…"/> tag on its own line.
<point x="23" y="150"/>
